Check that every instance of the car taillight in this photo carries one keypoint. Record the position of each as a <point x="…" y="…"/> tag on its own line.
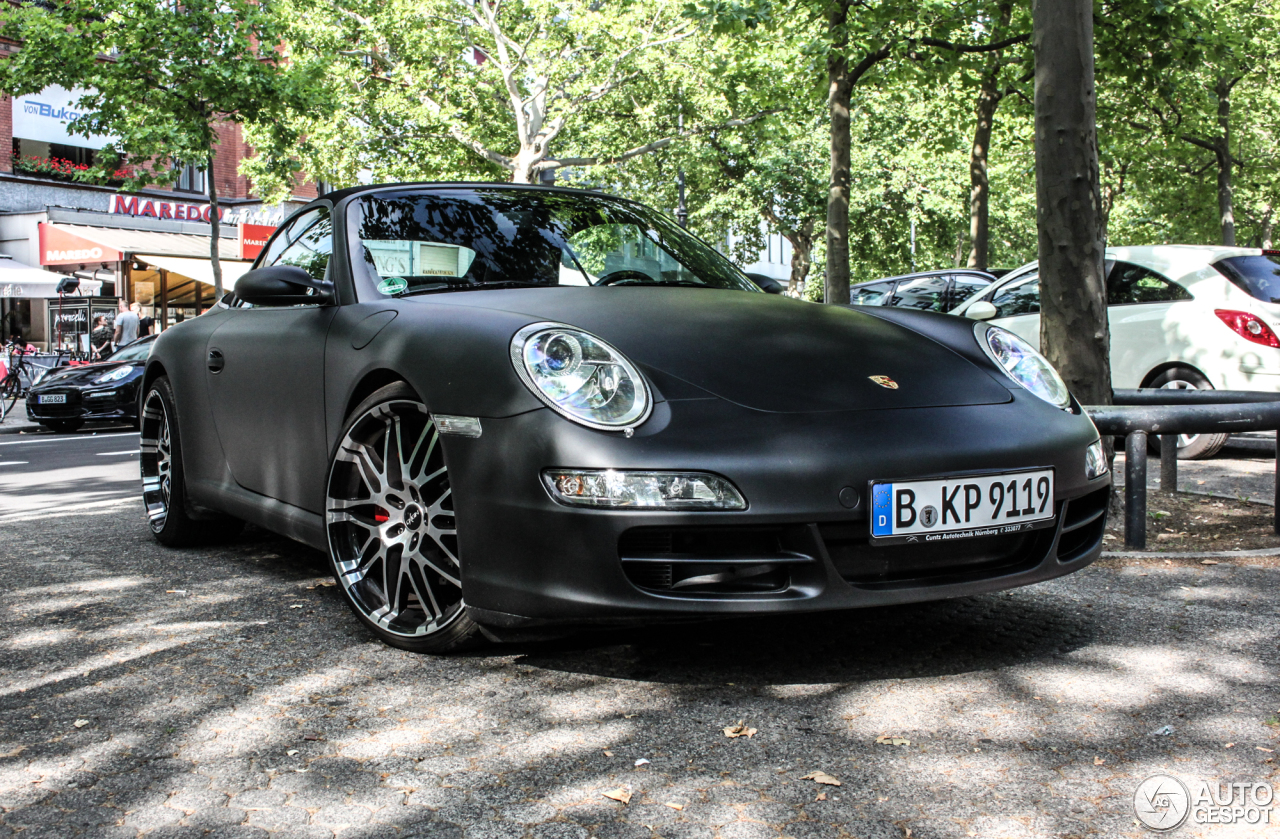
<point x="1248" y="326"/>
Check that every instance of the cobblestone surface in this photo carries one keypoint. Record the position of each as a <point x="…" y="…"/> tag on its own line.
<point x="227" y="693"/>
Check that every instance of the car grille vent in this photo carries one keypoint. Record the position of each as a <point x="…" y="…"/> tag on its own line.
<point x="714" y="560"/>
<point x="1083" y="524"/>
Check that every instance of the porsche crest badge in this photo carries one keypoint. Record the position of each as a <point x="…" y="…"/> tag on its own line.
<point x="884" y="381"/>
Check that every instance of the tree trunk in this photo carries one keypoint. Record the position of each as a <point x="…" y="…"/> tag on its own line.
<point x="801" y="255"/>
<point x="1073" y="301"/>
<point x="1226" y="212"/>
<point x="1267" y="228"/>
<point x="839" y="87"/>
<point x="979" y="184"/>
<point x="215" y="228"/>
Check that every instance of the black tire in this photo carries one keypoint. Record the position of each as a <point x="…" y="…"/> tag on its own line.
<point x="1190" y="446"/>
<point x="163" y="488"/>
<point x="63" y="426"/>
<point x="380" y="510"/>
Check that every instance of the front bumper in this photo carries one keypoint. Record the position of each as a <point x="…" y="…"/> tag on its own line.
<point x="528" y="561"/>
<point x="122" y="404"/>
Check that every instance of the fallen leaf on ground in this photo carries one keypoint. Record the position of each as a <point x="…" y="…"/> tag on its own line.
<point x="1229" y="746"/>
<point x="311" y="737"/>
<point x="322" y="584"/>
<point x="1261" y="749"/>
<point x="739" y="730"/>
<point x="291" y="752"/>
<point x="642" y="761"/>
<point x="673" y="805"/>
<point x="619" y="794"/>
<point x="295" y="606"/>
<point x="820" y="777"/>
<point x="887" y="740"/>
<point x="608" y="753"/>
<point x="80" y="723"/>
<point x="1209" y="562"/>
<point x="1097" y="761"/>
<point x="822" y="796"/>
<point x="628" y="716"/>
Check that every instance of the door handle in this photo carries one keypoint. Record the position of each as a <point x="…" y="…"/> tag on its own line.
<point x="216" y="361"/>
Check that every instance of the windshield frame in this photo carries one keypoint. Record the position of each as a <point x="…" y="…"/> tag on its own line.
<point x="365" y="282"/>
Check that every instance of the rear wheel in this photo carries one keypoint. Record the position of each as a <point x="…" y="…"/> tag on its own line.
<point x="1190" y="446"/>
<point x="164" y="489"/>
<point x="393" y="539"/>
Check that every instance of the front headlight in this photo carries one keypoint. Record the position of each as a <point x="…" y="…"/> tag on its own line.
<point x="1024" y="364"/>
<point x="580" y="376"/>
<point x="114" y="375"/>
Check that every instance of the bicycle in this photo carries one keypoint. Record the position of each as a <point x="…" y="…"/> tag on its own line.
<point x="11" y="386"/>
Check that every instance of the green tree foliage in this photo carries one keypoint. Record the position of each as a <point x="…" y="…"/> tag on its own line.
<point x="160" y="76"/>
<point x="511" y="89"/>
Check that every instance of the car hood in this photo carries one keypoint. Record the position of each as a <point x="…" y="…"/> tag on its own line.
<point x="84" y="374"/>
<point x="765" y="352"/>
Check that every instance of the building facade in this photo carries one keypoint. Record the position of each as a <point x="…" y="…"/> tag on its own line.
<point x="150" y="246"/>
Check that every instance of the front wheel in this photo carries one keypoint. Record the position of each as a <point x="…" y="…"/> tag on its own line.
<point x="393" y="538"/>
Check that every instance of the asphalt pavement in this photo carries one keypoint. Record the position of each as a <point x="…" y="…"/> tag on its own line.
<point x="226" y="691"/>
<point x="59" y="475"/>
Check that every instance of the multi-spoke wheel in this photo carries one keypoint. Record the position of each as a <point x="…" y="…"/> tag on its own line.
<point x="163" y="487"/>
<point x="393" y="539"/>
<point x="1190" y="446"/>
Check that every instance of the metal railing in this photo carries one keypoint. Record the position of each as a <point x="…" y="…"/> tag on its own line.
<point x="1137" y="414"/>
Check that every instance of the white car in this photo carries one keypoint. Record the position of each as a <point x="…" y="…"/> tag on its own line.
<point x="1181" y="316"/>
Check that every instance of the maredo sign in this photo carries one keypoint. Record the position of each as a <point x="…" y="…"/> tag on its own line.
<point x="253" y="238"/>
<point x="140" y="207"/>
<point x="132" y="205"/>
<point x="58" y="247"/>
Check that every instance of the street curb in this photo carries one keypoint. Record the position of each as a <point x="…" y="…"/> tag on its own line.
<point x="1189" y="554"/>
<point x="5" y="428"/>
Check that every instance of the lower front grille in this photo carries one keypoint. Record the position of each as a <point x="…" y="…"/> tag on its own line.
<point x="859" y="563"/>
<point x="714" y="560"/>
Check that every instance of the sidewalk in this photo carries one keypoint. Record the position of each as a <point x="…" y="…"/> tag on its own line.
<point x="1244" y="469"/>
<point x="16" y="422"/>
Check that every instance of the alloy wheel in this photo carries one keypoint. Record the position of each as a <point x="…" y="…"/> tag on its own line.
<point x="156" y="456"/>
<point x="390" y="519"/>
<point x="1184" y="440"/>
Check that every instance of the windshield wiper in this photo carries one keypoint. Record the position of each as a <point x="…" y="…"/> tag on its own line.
<point x="471" y="287"/>
<point x="658" y="282"/>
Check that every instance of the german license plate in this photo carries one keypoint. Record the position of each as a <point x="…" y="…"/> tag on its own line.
<point x="961" y="507"/>
<point x="53" y="399"/>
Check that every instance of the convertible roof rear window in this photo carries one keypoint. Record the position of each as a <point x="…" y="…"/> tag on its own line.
<point x="417" y="241"/>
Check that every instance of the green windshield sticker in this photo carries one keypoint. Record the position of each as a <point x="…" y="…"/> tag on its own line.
<point x="393" y="285"/>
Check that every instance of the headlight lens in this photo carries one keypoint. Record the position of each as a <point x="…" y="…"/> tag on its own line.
<point x="1024" y="364"/>
<point x="580" y="376"/>
<point x="1095" y="461"/>
<point x="113" y="375"/>
<point x="621" y="488"/>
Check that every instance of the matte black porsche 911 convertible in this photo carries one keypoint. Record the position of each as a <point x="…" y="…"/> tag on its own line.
<point x="504" y="409"/>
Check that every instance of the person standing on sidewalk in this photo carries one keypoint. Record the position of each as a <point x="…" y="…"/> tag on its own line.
<point x="127" y="326"/>
<point x="100" y="339"/>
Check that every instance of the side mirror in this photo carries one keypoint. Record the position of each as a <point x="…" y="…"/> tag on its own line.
<point x="980" y="310"/>
<point x="282" y="285"/>
<point x="767" y="284"/>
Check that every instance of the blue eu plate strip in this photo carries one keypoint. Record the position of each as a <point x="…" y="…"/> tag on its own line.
<point x="882" y="510"/>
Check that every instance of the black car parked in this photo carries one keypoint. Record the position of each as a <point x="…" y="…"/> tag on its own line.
<point x="930" y="291"/>
<point x="108" y="390"/>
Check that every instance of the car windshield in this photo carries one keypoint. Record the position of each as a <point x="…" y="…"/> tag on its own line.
<point x="448" y="240"/>
<point x="133" y="352"/>
<point x="1258" y="275"/>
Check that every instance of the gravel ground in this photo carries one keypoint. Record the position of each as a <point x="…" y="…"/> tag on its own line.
<point x="228" y="692"/>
